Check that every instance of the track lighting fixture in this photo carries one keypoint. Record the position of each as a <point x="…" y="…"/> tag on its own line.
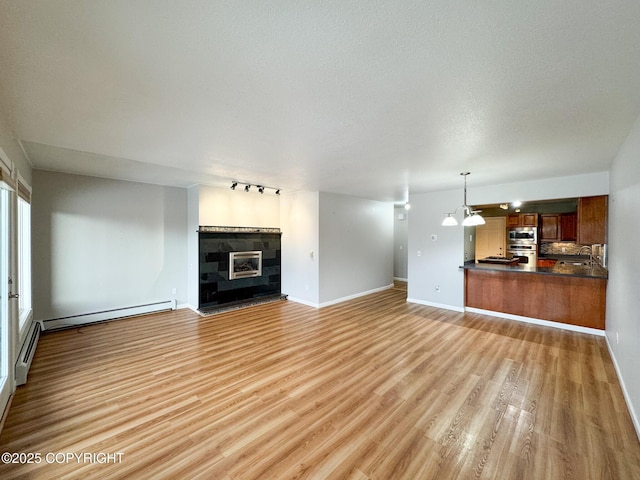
<point x="247" y="187"/>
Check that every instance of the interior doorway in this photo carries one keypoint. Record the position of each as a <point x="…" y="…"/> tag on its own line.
<point x="491" y="238"/>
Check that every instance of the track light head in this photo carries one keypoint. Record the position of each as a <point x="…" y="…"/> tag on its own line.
<point x="247" y="187"/>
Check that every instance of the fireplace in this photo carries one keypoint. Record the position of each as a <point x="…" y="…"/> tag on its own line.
<point x="237" y="266"/>
<point x="245" y="264"/>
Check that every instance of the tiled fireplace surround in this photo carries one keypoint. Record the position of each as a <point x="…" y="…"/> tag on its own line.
<point x="216" y="291"/>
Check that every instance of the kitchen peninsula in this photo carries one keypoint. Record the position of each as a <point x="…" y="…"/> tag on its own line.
<point x="566" y="293"/>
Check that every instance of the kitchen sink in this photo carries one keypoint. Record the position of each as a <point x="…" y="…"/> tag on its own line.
<point x="584" y="264"/>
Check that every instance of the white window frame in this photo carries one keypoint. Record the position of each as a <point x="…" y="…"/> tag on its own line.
<point x="8" y="333"/>
<point x="23" y="280"/>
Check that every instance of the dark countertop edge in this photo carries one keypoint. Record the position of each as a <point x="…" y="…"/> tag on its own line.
<point x="596" y="272"/>
<point x="563" y="256"/>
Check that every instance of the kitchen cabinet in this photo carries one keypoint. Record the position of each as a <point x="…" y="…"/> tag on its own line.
<point x="592" y="220"/>
<point x="550" y="227"/>
<point x="522" y="220"/>
<point x="557" y="298"/>
<point x="546" y="262"/>
<point x="556" y="227"/>
<point x="568" y="227"/>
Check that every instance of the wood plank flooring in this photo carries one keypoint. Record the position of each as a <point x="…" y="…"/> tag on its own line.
<point x="373" y="388"/>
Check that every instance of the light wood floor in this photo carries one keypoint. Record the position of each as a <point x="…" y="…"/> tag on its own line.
<point x="371" y="388"/>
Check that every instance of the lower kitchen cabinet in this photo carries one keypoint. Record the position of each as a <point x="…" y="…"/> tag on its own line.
<point x="558" y="298"/>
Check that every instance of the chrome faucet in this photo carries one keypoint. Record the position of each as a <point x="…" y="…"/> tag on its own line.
<point x="590" y="253"/>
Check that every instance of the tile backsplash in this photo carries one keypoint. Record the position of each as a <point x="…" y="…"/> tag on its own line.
<point x="560" y="248"/>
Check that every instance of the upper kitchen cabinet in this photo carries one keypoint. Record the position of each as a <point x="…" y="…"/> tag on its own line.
<point x="550" y="227"/>
<point x="592" y="220"/>
<point x="556" y="227"/>
<point x="568" y="227"/>
<point x="522" y="220"/>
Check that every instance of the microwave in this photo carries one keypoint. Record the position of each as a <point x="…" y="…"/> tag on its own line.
<point x="522" y="235"/>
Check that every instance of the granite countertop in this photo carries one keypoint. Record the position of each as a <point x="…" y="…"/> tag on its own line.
<point x="558" y="269"/>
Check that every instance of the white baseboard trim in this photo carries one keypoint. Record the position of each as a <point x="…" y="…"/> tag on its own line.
<point x="101" y="316"/>
<point x="303" y="302"/>
<point x="625" y="392"/>
<point x="187" y="305"/>
<point x="436" y="305"/>
<point x="401" y="279"/>
<point x="339" y="300"/>
<point x="356" y="295"/>
<point x="538" y="321"/>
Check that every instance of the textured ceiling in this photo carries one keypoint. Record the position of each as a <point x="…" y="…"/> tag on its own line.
<point x="369" y="98"/>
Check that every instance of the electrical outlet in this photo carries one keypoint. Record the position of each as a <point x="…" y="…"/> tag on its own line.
<point x="173" y="291"/>
<point x="438" y="288"/>
<point x="617" y="338"/>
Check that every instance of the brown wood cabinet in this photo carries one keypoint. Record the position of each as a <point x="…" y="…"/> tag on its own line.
<point x="592" y="220"/>
<point x="550" y="227"/>
<point x="522" y="220"/>
<point x="513" y="220"/>
<point x="546" y="262"/>
<point x="558" y="298"/>
<point x="555" y="227"/>
<point x="568" y="227"/>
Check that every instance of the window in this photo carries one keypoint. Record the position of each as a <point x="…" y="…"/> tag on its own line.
<point x="24" y="260"/>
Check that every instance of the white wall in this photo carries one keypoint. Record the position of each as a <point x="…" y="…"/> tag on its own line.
<point x="573" y="186"/>
<point x="193" y="249"/>
<point x="12" y="148"/>
<point x="623" y="299"/>
<point x="299" y="214"/>
<point x="434" y="261"/>
<point x="356" y="246"/>
<point x="223" y="207"/>
<point x="100" y="244"/>
<point x="237" y="208"/>
<point x="439" y="260"/>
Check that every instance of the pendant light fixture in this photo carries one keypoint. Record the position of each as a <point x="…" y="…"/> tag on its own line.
<point x="472" y="217"/>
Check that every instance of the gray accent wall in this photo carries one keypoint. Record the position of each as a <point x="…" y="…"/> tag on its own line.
<point x="435" y="252"/>
<point x="334" y="247"/>
<point x="356" y="246"/>
<point x="100" y="244"/>
<point x="400" y="238"/>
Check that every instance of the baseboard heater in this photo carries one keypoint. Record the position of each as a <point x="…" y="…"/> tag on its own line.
<point x="26" y="353"/>
<point x="101" y="316"/>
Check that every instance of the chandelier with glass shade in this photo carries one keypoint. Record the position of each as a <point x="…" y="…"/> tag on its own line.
<point x="471" y="217"/>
